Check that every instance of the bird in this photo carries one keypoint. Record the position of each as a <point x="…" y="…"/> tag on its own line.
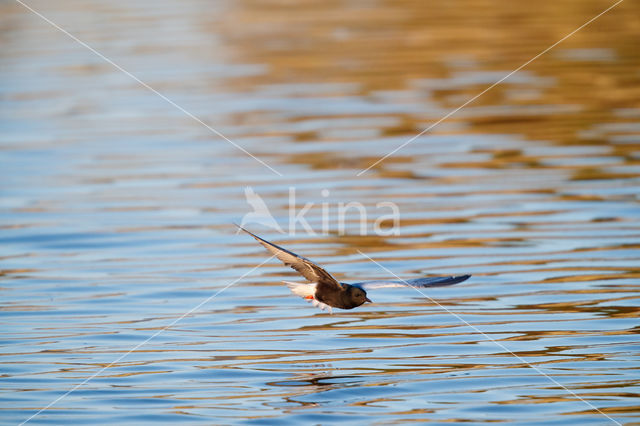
<point x="325" y="292"/>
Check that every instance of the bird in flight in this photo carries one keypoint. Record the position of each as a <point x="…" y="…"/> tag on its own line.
<point x="326" y="292"/>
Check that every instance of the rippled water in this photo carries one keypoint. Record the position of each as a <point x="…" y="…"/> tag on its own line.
<point x="117" y="211"/>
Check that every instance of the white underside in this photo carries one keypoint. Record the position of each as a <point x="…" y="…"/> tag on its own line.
<point x="307" y="292"/>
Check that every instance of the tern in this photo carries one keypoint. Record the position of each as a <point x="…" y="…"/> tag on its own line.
<point x="326" y="292"/>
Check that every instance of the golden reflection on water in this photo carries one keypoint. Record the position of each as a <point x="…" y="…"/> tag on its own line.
<point x="584" y="92"/>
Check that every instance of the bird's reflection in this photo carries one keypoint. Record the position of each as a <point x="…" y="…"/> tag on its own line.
<point x="304" y="384"/>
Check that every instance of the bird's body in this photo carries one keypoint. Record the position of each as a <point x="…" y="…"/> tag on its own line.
<point x="326" y="292"/>
<point x="342" y="298"/>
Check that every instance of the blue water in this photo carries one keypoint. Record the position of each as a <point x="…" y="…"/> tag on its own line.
<point x="128" y="297"/>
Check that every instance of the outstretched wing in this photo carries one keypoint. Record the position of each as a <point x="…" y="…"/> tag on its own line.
<point x="304" y="266"/>
<point x="416" y="282"/>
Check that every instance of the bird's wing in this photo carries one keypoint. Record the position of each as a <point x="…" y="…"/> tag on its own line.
<point x="416" y="282"/>
<point x="304" y="266"/>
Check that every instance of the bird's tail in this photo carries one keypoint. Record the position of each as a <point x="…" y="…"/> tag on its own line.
<point x="303" y="290"/>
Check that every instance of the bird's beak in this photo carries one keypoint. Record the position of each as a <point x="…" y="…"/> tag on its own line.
<point x="366" y="299"/>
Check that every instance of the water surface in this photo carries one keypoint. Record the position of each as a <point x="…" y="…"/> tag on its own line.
<point x="117" y="210"/>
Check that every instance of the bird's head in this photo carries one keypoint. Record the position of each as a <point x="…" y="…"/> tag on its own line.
<point x="358" y="295"/>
